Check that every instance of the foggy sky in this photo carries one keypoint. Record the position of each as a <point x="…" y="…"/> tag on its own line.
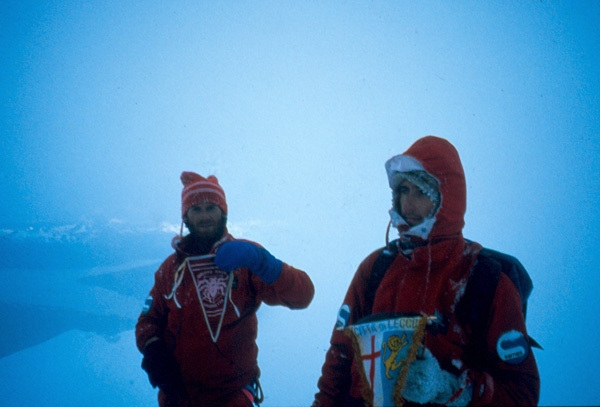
<point x="295" y="107"/>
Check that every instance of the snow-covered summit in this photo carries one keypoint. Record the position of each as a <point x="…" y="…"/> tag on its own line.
<point x="87" y="242"/>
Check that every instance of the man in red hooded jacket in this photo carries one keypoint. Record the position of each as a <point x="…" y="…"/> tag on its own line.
<point x="198" y="328"/>
<point x="407" y="343"/>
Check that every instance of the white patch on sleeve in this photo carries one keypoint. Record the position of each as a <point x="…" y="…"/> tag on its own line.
<point x="512" y="347"/>
<point x="343" y="317"/>
<point x="147" y="305"/>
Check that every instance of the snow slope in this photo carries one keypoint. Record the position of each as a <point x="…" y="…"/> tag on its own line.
<point x="68" y="332"/>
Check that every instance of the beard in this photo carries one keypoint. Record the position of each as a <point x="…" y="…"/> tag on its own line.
<point x="201" y="242"/>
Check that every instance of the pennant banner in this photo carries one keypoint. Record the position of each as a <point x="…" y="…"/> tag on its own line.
<point x="385" y="347"/>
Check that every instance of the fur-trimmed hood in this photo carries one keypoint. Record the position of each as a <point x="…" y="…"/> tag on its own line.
<point x="439" y="159"/>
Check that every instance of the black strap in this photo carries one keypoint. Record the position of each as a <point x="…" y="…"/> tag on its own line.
<point x="380" y="267"/>
<point x="475" y="306"/>
<point x="509" y="265"/>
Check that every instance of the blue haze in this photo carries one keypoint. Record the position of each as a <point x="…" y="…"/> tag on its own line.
<point x="295" y="106"/>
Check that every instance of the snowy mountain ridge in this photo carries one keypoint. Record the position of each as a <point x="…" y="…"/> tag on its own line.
<point x="82" y="230"/>
<point x="84" y="243"/>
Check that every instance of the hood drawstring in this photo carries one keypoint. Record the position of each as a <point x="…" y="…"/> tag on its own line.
<point x="178" y="279"/>
<point x="237" y="311"/>
<point x="387" y="234"/>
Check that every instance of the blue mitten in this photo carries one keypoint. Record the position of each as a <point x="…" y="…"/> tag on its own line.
<point x="428" y="383"/>
<point x="241" y="254"/>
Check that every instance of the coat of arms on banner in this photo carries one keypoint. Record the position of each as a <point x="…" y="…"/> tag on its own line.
<point x="386" y="347"/>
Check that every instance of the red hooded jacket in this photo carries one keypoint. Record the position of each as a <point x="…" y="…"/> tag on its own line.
<point x="214" y="369"/>
<point x="431" y="281"/>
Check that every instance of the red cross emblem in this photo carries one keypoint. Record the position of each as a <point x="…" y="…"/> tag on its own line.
<point x="372" y="357"/>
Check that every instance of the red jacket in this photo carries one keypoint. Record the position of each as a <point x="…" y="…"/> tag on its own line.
<point x="210" y="369"/>
<point x="432" y="281"/>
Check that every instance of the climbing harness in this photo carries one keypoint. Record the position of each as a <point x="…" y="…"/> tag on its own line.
<point x="254" y="392"/>
<point x="178" y="278"/>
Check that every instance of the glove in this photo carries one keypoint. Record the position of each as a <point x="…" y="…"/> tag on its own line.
<point x="428" y="383"/>
<point x="238" y="254"/>
<point x="163" y="371"/>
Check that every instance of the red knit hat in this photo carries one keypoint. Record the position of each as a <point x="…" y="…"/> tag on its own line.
<point x="197" y="189"/>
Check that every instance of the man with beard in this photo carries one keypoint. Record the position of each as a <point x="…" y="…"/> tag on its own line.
<point x="413" y="331"/>
<point x="198" y="328"/>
